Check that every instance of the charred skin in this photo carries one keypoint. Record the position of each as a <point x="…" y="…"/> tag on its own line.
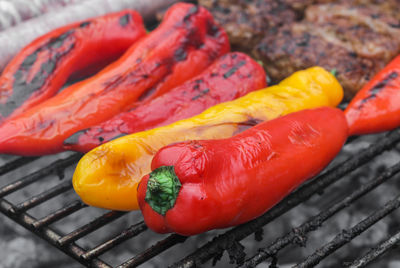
<point x="40" y="69"/>
<point x="376" y="107"/>
<point x="204" y="43"/>
<point x="389" y="80"/>
<point x="148" y="69"/>
<point x="232" y="76"/>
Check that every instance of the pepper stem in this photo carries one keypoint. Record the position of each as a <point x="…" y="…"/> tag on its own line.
<point x="162" y="189"/>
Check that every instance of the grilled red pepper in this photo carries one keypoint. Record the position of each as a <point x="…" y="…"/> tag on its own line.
<point x="197" y="186"/>
<point x="232" y="76"/>
<point x="376" y="107"/>
<point x="185" y="43"/>
<point x="41" y="68"/>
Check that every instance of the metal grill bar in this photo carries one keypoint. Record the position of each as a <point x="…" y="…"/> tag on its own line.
<point x="59" y="214"/>
<point x="19" y="162"/>
<point x="347" y="235"/>
<point x="43" y="197"/>
<point x="297" y="234"/>
<point x="90" y="227"/>
<point x="376" y="253"/>
<point x="219" y="243"/>
<point x="40" y="174"/>
<point x="149" y="253"/>
<point x="48" y="234"/>
<point x="128" y="233"/>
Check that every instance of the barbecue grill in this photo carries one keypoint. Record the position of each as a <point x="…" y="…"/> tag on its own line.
<point x="49" y="226"/>
<point x="51" y="202"/>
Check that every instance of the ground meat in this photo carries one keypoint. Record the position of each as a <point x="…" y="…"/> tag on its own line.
<point x="294" y="48"/>
<point x="356" y="38"/>
<point x="357" y="41"/>
<point x="247" y="21"/>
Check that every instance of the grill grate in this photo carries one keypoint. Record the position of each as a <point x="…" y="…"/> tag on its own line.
<point x="297" y="234"/>
<point x="347" y="235"/>
<point x="375" y="253"/>
<point x="229" y="240"/>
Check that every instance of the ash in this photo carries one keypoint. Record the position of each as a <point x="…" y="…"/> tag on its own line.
<point x="19" y="248"/>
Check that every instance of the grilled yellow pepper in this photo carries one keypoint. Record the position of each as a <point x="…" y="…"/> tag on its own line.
<point x="108" y="175"/>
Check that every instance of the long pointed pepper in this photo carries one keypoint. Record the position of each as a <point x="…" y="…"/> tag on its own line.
<point x="223" y="183"/>
<point x="40" y="69"/>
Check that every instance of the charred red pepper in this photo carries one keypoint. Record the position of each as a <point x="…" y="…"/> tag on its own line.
<point x="186" y="42"/>
<point x="197" y="186"/>
<point x="42" y="67"/>
<point x="232" y="76"/>
<point x="376" y="107"/>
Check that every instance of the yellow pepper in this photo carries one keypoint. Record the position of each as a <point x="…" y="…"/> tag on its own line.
<point x="108" y="175"/>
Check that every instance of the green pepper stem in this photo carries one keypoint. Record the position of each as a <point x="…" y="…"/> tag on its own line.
<point x="162" y="189"/>
<point x="153" y="185"/>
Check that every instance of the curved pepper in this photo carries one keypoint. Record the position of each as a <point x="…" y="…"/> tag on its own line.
<point x="108" y="175"/>
<point x="186" y="42"/>
<point x="376" y="107"/>
<point x="232" y="76"/>
<point x="196" y="186"/>
<point x="43" y="67"/>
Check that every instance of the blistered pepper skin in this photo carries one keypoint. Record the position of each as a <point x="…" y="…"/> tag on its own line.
<point x="231" y="181"/>
<point x="42" y="68"/>
<point x="184" y="44"/>
<point x="231" y="76"/>
<point x="108" y="175"/>
<point x="376" y="107"/>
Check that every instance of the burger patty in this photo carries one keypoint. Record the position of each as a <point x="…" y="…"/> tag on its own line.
<point x="247" y="21"/>
<point x="355" y="39"/>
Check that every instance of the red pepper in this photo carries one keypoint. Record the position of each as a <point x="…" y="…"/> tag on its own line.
<point x="42" y="67"/>
<point x="197" y="186"/>
<point x="232" y="76"/>
<point x="376" y="107"/>
<point x="186" y="42"/>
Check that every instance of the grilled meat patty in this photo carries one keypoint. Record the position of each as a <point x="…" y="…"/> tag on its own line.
<point x="295" y="47"/>
<point x="355" y="38"/>
<point x="247" y="21"/>
<point x="356" y="41"/>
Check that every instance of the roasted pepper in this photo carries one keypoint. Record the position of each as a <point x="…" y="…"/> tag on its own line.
<point x="376" y="107"/>
<point x="196" y="186"/>
<point x="232" y="76"/>
<point x="186" y="42"/>
<point x="42" y="67"/>
<point x="108" y="175"/>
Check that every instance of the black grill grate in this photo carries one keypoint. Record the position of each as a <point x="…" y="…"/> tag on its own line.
<point x="375" y="253"/>
<point x="229" y="240"/>
<point x="297" y="234"/>
<point x="347" y="235"/>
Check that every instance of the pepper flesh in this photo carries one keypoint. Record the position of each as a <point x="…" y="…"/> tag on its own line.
<point x="231" y="181"/>
<point x="108" y="175"/>
<point x="376" y="107"/>
<point x="231" y="76"/>
<point x="42" y="68"/>
<point x="186" y="42"/>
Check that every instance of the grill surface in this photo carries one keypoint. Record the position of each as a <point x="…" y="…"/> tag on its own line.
<point x="96" y="253"/>
<point x="228" y="240"/>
